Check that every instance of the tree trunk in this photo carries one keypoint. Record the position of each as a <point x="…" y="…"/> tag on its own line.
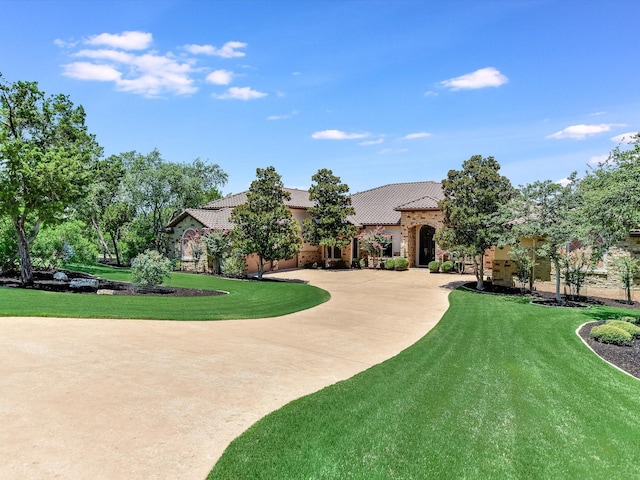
<point x="260" y="267"/>
<point x="479" y="272"/>
<point x="101" y="240"/>
<point x="115" y="249"/>
<point x="556" y="264"/>
<point x="26" y="271"/>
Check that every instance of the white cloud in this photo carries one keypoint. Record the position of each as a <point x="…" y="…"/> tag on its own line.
<point x="385" y="151"/>
<point x="105" y="54"/>
<point x="241" y="93"/>
<point x="628" y="137"/>
<point x="220" y="77"/>
<point x="413" y="136"/>
<point x="563" y="181"/>
<point x="228" y="50"/>
<point x="338" y="135"/>
<point x="430" y="93"/>
<point x="124" y="40"/>
<point x="372" y="142"/>
<point x="58" y="42"/>
<point x="121" y="58"/>
<point x="147" y="74"/>
<point x="283" y="117"/>
<point x="91" y="71"/>
<point x="485" y="77"/>
<point x="580" y="132"/>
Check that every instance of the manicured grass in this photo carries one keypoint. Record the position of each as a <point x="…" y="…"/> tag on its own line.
<point x="246" y="299"/>
<point x="498" y="389"/>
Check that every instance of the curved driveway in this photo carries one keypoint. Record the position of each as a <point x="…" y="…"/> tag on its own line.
<point x="89" y="398"/>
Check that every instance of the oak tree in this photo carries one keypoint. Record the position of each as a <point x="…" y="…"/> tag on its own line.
<point x="46" y="160"/>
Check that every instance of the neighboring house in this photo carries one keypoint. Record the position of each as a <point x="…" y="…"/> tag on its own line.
<point x="408" y="211"/>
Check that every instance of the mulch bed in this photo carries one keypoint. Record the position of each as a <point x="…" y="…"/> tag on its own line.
<point x="625" y="358"/>
<point x="43" y="280"/>
<point x="548" y="298"/>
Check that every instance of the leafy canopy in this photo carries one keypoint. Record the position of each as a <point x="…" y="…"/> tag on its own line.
<point x="472" y="199"/>
<point x="328" y="224"/>
<point x="611" y="193"/>
<point x="46" y="160"/>
<point x="264" y="224"/>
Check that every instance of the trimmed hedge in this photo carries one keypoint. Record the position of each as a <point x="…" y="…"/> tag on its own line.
<point x="608" y="333"/>
<point x="434" y="266"/>
<point x="628" y="327"/>
<point x="401" y="263"/>
<point x="390" y="264"/>
<point x="447" y="266"/>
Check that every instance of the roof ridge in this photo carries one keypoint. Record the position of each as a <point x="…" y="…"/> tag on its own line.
<point x="398" y="183"/>
<point x="417" y="200"/>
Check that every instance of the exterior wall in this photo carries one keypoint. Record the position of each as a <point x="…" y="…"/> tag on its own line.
<point x="607" y="275"/>
<point x="410" y="224"/>
<point x="396" y="244"/>
<point x="180" y="250"/>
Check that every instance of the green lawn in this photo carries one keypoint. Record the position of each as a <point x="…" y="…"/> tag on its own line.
<point x="246" y="299"/>
<point x="498" y="389"/>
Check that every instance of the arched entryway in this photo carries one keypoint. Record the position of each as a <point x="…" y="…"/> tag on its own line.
<point x="426" y="245"/>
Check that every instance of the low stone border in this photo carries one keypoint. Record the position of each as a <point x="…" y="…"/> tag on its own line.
<point x="596" y="353"/>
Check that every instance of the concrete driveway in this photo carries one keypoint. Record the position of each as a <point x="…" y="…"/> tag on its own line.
<point x="90" y="398"/>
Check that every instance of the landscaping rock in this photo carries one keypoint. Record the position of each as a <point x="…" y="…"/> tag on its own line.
<point x="84" y="284"/>
<point x="61" y="276"/>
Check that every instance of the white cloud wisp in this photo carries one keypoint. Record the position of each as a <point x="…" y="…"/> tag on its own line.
<point x="338" y="135"/>
<point x="125" y="60"/>
<point x="483" y="78"/>
<point x="580" y="132"/>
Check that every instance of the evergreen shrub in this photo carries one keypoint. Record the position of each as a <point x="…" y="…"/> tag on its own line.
<point x="628" y="327"/>
<point x="608" y="333"/>
<point x="401" y="263"/>
<point x="447" y="266"/>
<point x="434" y="266"/>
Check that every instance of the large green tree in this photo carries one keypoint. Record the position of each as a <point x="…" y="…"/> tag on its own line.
<point x="472" y="200"/>
<point x="264" y="225"/>
<point x="105" y="191"/>
<point x="611" y="193"/>
<point x="46" y="160"/>
<point x="159" y="190"/>
<point x="328" y="225"/>
<point x="550" y="210"/>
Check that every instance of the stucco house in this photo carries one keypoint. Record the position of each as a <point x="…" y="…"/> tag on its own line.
<point x="408" y="211"/>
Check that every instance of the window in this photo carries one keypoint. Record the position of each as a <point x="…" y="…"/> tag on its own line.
<point x="388" y="251"/>
<point x="334" y="253"/>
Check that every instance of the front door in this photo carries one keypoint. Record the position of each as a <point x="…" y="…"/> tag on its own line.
<point x="427" y="245"/>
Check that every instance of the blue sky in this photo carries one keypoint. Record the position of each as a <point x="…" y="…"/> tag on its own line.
<point x="378" y="91"/>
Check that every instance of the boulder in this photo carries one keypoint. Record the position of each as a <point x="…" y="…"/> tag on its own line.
<point x="84" y="284"/>
<point x="61" y="276"/>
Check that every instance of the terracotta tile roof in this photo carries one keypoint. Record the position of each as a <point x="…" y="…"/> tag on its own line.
<point x="217" y="219"/>
<point x="299" y="199"/>
<point x="382" y="205"/>
<point x="378" y="206"/>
